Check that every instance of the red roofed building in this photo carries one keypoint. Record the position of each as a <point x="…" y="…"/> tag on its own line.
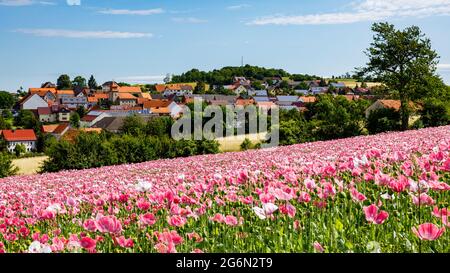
<point x="15" y="137"/>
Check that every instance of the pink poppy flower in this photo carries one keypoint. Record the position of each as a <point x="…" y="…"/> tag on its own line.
<point x="88" y="244"/>
<point x="126" y="243"/>
<point x="373" y="216"/>
<point x="424" y="200"/>
<point x="90" y="225"/>
<point x="109" y="224"/>
<point x="219" y="218"/>
<point x="176" y="220"/>
<point x="318" y="247"/>
<point x="428" y="231"/>
<point x="231" y="220"/>
<point x="147" y="219"/>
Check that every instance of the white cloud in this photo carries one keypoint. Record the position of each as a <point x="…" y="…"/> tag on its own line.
<point x="364" y="10"/>
<point x="142" y="79"/>
<point x="84" y="34"/>
<point x="73" y="2"/>
<point x="133" y="12"/>
<point x="236" y="7"/>
<point x="443" y="67"/>
<point x="19" y="3"/>
<point x="191" y="20"/>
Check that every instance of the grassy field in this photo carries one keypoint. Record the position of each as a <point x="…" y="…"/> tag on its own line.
<point x="233" y="143"/>
<point x="352" y="83"/>
<point x="29" y="165"/>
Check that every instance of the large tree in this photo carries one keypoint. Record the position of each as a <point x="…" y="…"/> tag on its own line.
<point x="92" y="83"/>
<point x="7" y="100"/>
<point x="79" y="81"/>
<point x="64" y="82"/>
<point x="404" y="61"/>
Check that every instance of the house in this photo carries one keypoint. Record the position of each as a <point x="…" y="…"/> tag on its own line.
<point x="127" y="99"/>
<point x="302" y="92"/>
<point x="318" y="90"/>
<point x="244" y="102"/>
<point x="163" y="107"/>
<point x="178" y="90"/>
<point x="75" y="102"/>
<point x="114" y="124"/>
<point x="338" y="85"/>
<point x="96" y="98"/>
<point x="46" y="114"/>
<point x="265" y="104"/>
<point x="60" y="94"/>
<point x="261" y="99"/>
<point x="42" y="90"/>
<point x="241" y="81"/>
<point x="110" y="86"/>
<point x="48" y="85"/>
<point x="257" y="93"/>
<point x="286" y="100"/>
<point x="309" y="99"/>
<point x="15" y="137"/>
<point x="64" y="115"/>
<point x="87" y="120"/>
<point x="392" y="104"/>
<point x="48" y="129"/>
<point x="60" y="130"/>
<point x="33" y="102"/>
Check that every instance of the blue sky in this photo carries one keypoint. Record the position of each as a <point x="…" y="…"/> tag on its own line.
<point x="139" y="41"/>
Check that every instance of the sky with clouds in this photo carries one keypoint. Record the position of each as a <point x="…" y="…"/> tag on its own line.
<point x="140" y="41"/>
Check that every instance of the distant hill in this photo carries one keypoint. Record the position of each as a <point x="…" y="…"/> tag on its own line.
<point x="225" y="75"/>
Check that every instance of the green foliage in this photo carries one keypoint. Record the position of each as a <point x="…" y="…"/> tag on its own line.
<point x="75" y="120"/>
<point x="434" y="113"/>
<point x="6" y="166"/>
<point x="92" y="83"/>
<point x="159" y="126"/>
<point x="7" y="114"/>
<point x="246" y="144"/>
<point x="133" y="125"/>
<point x="81" y="111"/>
<point x="27" y="120"/>
<point x="19" y="150"/>
<point x="64" y="82"/>
<point x="200" y="88"/>
<point x="383" y="120"/>
<point x="405" y="62"/>
<point x="4" y="124"/>
<point x="225" y="75"/>
<point x="7" y="100"/>
<point x="79" y="82"/>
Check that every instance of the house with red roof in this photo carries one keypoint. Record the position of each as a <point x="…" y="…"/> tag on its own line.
<point x="26" y="137"/>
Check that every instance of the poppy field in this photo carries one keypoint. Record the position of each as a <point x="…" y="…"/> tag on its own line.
<point x="380" y="193"/>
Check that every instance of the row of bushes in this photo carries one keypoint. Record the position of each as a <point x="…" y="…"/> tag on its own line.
<point x="90" y="150"/>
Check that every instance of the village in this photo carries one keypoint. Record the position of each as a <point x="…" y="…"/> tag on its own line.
<point x="106" y="107"/>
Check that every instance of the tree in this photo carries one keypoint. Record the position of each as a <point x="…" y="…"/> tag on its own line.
<point x="92" y="83"/>
<point x="434" y="113"/>
<point x="7" y="100"/>
<point x="81" y="111"/>
<point x="27" y="120"/>
<point x="7" y="114"/>
<point x="4" y="125"/>
<point x="19" y="149"/>
<point x="404" y="61"/>
<point x="6" y="166"/>
<point x="200" y="88"/>
<point x="383" y="120"/>
<point x="79" y="82"/>
<point x="133" y="125"/>
<point x="64" y="82"/>
<point x="75" y="120"/>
